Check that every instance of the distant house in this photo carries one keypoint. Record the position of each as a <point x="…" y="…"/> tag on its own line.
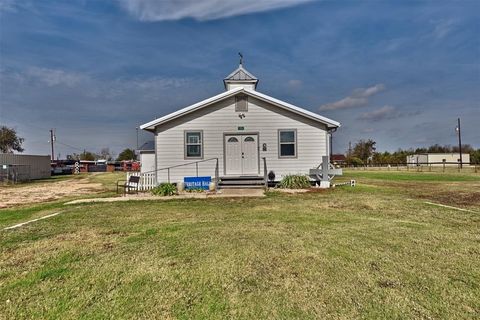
<point x="146" y="156"/>
<point x="437" y="159"/>
<point x="239" y="133"/>
<point x="338" y="159"/>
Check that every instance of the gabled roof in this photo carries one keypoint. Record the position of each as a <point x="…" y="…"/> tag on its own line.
<point x="147" y="146"/>
<point x="150" y="126"/>
<point x="240" y="75"/>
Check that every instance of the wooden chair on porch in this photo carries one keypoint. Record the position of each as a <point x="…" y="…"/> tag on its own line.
<point x="132" y="184"/>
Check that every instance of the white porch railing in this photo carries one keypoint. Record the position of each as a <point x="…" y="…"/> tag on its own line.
<point x="147" y="180"/>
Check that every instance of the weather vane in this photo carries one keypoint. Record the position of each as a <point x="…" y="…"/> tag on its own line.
<point x="241" y="58"/>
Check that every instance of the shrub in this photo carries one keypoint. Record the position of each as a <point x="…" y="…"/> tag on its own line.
<point x="164" y="189"/>
<point x="293" y="181"/>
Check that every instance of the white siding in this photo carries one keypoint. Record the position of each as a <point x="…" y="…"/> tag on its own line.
<point x="231" y="86"/>
<point x="436" y="159"/>
<point x="449" y="157"/>
<point x="147" y="161"/>
<point x="417" y="159"/>
<point x="220" y="118"/>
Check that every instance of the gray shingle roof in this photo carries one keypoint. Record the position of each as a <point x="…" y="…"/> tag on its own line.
<point x="149" y="145"/>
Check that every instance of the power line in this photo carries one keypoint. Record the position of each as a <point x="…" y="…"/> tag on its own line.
<point x="70" y="146"/>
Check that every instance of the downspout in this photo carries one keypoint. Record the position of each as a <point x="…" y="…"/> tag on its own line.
<point x="330" y="132"/>
<point x="156" y="162"/>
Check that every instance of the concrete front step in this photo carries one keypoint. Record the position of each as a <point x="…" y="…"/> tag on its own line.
<point x="241" y="182"/>
<point x="238" y="178"/>
<point x="240" y="186"/>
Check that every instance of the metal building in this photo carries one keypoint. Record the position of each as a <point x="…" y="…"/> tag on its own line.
<point x="23" y="167"/>
<point x="437" y="159"/>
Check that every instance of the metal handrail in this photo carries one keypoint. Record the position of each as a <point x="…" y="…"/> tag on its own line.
<point x="265" y="174"/>
<point x="186" y="164"/>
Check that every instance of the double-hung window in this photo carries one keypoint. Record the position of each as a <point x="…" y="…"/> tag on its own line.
<point x="193" y="144"/>
<point x="287" y="143"/>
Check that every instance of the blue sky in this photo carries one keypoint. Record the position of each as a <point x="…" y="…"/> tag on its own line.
<point x="399" y="72"/>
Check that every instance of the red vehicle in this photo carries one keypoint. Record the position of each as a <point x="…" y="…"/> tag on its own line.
<point x="131" y="165"/>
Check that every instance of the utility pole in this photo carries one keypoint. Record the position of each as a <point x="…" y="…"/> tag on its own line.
<point x="52" y="139"/>
<point x="459" y="132"/>
<point x="137" y="137"/>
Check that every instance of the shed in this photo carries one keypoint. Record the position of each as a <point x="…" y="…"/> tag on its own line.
<point x="24" y="167"/>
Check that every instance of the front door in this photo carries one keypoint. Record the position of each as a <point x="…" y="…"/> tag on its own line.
<point x="241" y="154"/>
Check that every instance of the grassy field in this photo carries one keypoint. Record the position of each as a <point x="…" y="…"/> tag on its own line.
<point x="376" y="251"/>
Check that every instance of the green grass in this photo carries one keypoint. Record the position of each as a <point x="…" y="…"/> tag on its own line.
<point x="413" y="176"/>
<point x="376" y="251"/>
<point x="12" y="216"/>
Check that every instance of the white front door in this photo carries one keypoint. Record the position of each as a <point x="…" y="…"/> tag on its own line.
<point x="241" y="154"/>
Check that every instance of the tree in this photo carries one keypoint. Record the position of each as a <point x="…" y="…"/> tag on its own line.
<point x="127" y="154"/>
<point x="106" y="154"/>
<point x="354" y="161"/>
<point x="9" y="141"/>
<point x="89" y="156"/>
<point x="73" y="156"/>
<point x="475" y="156"/>
<point x="466" y="148"/>
<point x="364" y="149"/>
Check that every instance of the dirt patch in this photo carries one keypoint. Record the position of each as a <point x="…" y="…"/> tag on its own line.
<point x="48" y="191"/>
<point x="454" y="198"/>
<point x="463" y="194"/>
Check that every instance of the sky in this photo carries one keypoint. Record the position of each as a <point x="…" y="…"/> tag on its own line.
<point x="397" y="72"/>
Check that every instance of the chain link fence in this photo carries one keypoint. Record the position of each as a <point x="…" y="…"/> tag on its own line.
<point x="13" y="173"/>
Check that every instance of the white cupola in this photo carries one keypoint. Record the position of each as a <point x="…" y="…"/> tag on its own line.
<point x="240" y="78"/>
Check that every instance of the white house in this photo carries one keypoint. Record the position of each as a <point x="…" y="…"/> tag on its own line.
<point x="437" y="159"/>
<point x="239" y="133"/>
<point x="146" y="155"/>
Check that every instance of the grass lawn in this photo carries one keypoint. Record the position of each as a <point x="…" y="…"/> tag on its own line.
<point x="376" y="251"/>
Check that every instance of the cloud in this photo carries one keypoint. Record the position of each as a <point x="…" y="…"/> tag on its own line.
<point x="386" y="112"/>
<point x="443" y="27"/>
<point x="367" y="130"/>
<point x="154" y="10"/>
<point x="358" y="98"/>
<point x="294" y="83"/>
<point x="7" y="5"/>
<point x="55" y="77"/>
<point x="150" y="88"/>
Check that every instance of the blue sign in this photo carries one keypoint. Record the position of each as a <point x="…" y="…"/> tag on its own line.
<point x="197" y="182"/>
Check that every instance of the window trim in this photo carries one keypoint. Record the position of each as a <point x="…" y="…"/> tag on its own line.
<point x="186" y="144"/>
<point x="246" y="103"/>
<point x="295" y="143"/>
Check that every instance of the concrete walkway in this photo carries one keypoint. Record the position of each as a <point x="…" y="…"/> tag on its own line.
<point x="226" y="193"/>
